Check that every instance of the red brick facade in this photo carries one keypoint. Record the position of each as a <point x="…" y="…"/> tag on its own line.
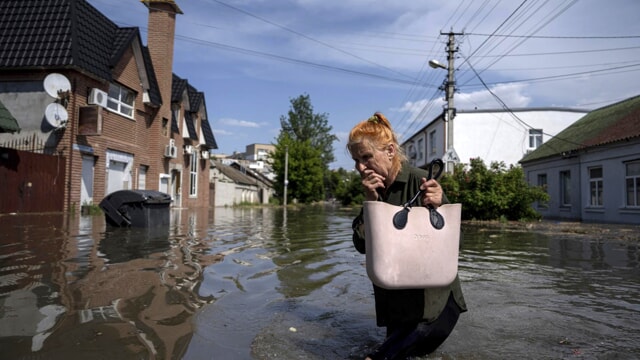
<point x="142" y="139"/>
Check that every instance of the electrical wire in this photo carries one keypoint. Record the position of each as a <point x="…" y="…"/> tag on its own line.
<point x="505" y="107"/>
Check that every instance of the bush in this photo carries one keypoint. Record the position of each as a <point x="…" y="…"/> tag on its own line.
<point x="492" y="193"/>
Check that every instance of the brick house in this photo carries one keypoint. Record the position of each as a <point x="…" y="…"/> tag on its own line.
<point x="105" y="110"/>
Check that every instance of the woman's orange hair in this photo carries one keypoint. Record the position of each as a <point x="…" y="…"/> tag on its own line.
<point x="377" y="133"/>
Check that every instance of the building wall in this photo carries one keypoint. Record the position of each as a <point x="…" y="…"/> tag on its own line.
<point x="229" y="193"/>
<point x="143" y="137"/>
<point x="259" y="152"/>
<point x="612" y="159"/>
<point x="491" y="135"/>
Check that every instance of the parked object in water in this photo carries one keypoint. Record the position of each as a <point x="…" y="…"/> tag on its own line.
<point x="136" y="208"/>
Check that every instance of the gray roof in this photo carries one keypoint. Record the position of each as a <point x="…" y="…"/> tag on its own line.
<point x="613" y="123"/>
<point x="65" y="34"/>
<point x="234" y="174"/>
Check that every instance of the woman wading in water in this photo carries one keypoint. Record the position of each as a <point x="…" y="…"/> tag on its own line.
<point x="418" y="321"/>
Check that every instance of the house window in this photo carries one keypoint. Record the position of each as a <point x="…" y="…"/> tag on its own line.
<point x="142" y="177"/>
<point x="565" y="188"/>
<point x="193" y="175"/>
<point x="595" y="186"/>
<point x="165" y="126"/>
<point x="432" y="141"/>
<point x="420" y="149"/>
<point x="120" y="100"/>
<point x="632" y="177"/>
<point x="412" y="152"/>
<point x="542" y="183"/>
<point x="535" y="138"/>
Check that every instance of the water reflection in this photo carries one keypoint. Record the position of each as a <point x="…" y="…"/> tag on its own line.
<point x="86" y="292"/>
<point x="125" y="244"/>
<point x="262" y="283"/>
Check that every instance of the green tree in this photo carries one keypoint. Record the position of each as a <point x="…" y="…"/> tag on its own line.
<point x="302" y="125"/>
<point x="492" y="193"/>
<point x="345" y="187"/>
<point x="308" y="140"/>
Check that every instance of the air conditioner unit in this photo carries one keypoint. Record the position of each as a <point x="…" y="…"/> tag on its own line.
<point x="205" y="154"/>
<point x="97" y="97"/>
<point x="188" y="149"/>
<point x="170" y="151"/>
<point x="172" y="142"/>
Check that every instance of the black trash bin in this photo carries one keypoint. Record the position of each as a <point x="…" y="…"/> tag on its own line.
<point x="136" y="208"/>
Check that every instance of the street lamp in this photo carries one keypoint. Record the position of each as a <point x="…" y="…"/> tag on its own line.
<point x="437" y="64"/>
<point x="450" y="155"/>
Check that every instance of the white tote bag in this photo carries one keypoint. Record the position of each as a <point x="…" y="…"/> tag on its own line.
<point x="421" y="253"/>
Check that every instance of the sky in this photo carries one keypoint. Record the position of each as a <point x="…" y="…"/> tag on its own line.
<point x="355" y="57"/>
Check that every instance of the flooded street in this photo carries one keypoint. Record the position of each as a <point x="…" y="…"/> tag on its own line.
<point x="262" y="283"/>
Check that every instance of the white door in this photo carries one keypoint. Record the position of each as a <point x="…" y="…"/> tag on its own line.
<point x="118" y="170"/>
<point x="176" y="188"/>
<point x="116" y="176"/>
<point x="164" y="183"/>
<point x="142" y="178"/>
<point x="86" y="185"/>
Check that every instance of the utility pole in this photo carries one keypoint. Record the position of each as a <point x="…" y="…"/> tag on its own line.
<point x="286" y="174"/>
<point x="450" y="157"/>
<point x="451" y="110"/>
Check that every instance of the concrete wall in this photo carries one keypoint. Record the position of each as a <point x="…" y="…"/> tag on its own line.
<point x="491" y="135"/>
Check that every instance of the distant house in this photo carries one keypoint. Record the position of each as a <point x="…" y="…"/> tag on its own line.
<point x="234" y="184"/>
<point x="591" y="170"/>
<point x="97" y="110"/>
<point x="493" y="135"/>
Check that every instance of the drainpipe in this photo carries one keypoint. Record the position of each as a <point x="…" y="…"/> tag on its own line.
<point x="72" y="119"/>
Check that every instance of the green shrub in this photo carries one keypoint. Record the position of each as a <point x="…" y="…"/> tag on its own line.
<point x="494" y="193"/>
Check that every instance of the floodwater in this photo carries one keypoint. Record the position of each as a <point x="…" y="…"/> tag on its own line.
<point x="264" y="283"/>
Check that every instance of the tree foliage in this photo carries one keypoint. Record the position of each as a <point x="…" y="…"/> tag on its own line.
<point x="306" y="138"/>
<point x="492" y="193"/>
<point x="303" y="125"/>
<point x="346" y="187"/>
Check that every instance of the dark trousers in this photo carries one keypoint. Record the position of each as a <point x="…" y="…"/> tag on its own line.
<point x="418" y="339"/>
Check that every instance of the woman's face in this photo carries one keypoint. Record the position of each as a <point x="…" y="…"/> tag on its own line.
<point x="367" y="159"/>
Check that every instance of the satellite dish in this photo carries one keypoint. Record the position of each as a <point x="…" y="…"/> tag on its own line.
<point x="55" y="83"/>
<point x="56" y="115"/>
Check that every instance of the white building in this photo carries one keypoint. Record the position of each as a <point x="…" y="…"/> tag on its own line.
<point x="491" y="135"/>
<point x="232" y="184"/>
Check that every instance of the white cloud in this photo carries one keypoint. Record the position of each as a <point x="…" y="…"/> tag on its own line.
<point x="239" y="123"/>
<point x="218" y="132"/>
<point x="511" y="94"/>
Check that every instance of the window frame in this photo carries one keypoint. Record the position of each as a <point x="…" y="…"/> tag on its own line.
<point x="596" y="185"/>
<point x="565" y="188"/>
<point x="117" y="105"/>
<point x="421" y="147"/>
<point x="632" y="184"/>
<point x="543" y="183"/>
<point x="535" y="134"/>
<point x="193" y="174"/>
<point x="432" y="142"/>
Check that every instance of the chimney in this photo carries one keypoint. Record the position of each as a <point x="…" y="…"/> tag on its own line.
<point x="160" y="39"/>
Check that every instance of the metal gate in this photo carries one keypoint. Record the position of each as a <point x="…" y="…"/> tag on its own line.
<point x="31" y="182"/>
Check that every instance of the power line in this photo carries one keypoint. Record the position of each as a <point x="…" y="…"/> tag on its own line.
<point x="299" y="62"/>
<point x="505" y="107"/>
<point x="309" y="38"/>
<point x="564" y="76"/>
<point x="560" y="37"/>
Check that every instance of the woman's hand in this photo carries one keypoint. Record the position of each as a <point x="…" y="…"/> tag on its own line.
<point x="371" y="181"/>
<point x="433" y="194"/>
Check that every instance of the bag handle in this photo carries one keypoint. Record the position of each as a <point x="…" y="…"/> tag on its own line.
<point x="437" y="221"/>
